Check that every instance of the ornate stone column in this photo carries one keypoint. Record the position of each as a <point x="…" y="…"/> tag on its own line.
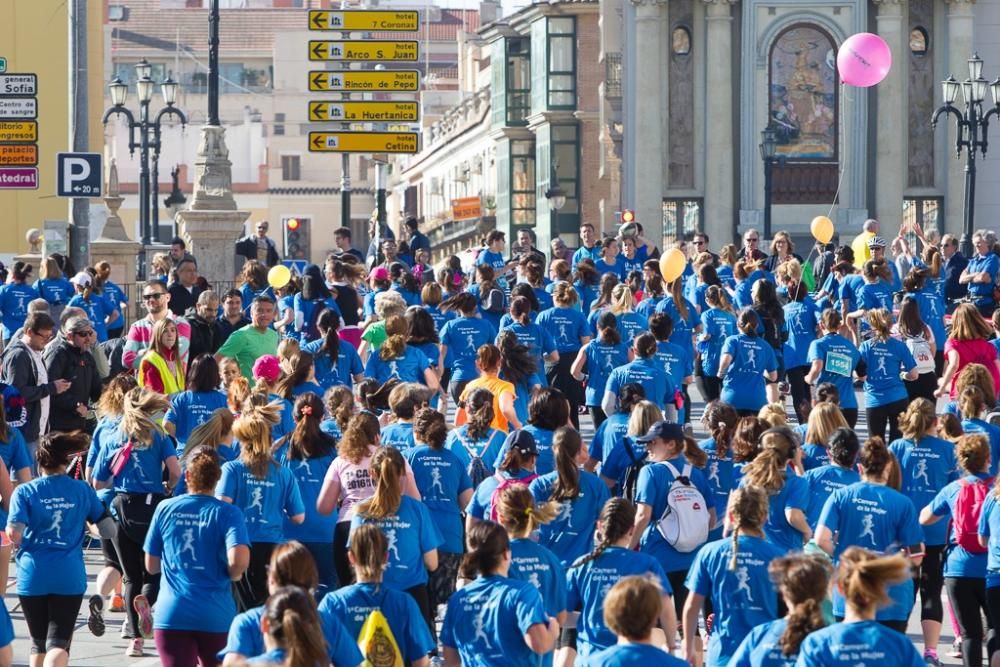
<point x="719" y="144"/>
<point x="890" y="140"/>
<point x="961" y="27"/>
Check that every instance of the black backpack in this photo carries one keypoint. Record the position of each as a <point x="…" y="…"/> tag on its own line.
<point x="631" y="478"/>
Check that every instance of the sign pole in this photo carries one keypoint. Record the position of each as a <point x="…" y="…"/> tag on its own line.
<point x="79" y="231"/>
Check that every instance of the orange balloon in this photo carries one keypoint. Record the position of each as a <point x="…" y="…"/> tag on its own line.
<point x="672" y="264"/>
<point x="822" y="228"/>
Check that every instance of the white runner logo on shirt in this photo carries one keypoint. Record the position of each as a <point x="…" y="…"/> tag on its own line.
<point x="257" y="501"/>
<point x="390" y="536"/>
<point x="752" y="356"/>
<point x="479" y="625"/>
<point x="56" y="526"/>
<point x="436" y="479"/>
<point x="743" y="576"/>
<point x="868" y="526"/>
<point x="188" y="545"/>
<point x="921" y="471"/>
<point x="713" y="471"/>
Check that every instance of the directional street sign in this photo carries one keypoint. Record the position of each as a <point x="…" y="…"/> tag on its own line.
<point x="358" y="50"/>
<point x="24" y="155"/>
<point x="364" y="142"/>
<point x="377" y="20"/>
<point x="3" y="65"/>
<point x="374" y="112"/>
<point x="18" y="84"/>
<point x="18" y="178"/>
<point x="22" y="130"/>
<point x="400" y="80"/>
<point x="79" y="175"/>
<point x="12" y="108"/>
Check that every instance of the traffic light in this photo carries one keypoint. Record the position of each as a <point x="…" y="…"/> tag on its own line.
<point x="628" y="215"/>
<point x="297" y="245"/>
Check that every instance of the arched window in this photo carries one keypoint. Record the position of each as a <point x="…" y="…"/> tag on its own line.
<point x="918" y="41"/>
<point x="680" y="41"/>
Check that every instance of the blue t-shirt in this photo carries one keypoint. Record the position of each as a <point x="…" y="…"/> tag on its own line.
<point x="191" y="536"/>
<point x="652" y="488"/>
<point x="118" y="297"/>
<point x="932" y="310"/>
<point x="588" y="584"/>
<point x="646" y="372"/>
<point x="992" y="432"/>
<point x="839" y="357"/>
<point x="496" y="260"/>
<point x="249" y="294"/>
<point x="822" y="482"/>
<point x="630" y="655"/>
<point x="814" y="456"/>
<point x="309" y="474"/>
<point x="762" y="647"/>
<point x="618" y="460"/>
<point x="567" y="326"/>
<point x="190" y="409"/>
<point x="983" y="292"/>
<point x="849" y="287"/>
<point x="441" y="479"/>
<point x="601" y="360"/>
<point x="408" y="368"/>
<point x="583" y="252"/>
<point x="265" y="502"/>
<point x="743" y="597"/>
<point x="989" y="526"/>
<point x="57" y="291"/>
<point x="858" y="644"/>
<point x="487" y="447"/>
<point x="246" y="639"/>
<point x="743" y="387"/>
<point x="571" y="534"/>
<point x="719" y="475"/>
<point x="14" y="300"/>
<point x="885" y="360"/>
<point x="927" y="466"/>
<point x="329" y="374"/>
<point x="398" y="435"/>
<point x="349" y="607"/>
<point x="617" y="268"/>
<point x="608" y="435"/>
<point x="718" y="325"/>
<point x="143" y="472"/>
<point x="677" y="364"/>
<point x="52" y="510"/>
<point x="878" y="518"/>
<point x="872" y="296"/>
<point x="683" y="326"/>
<point x="531" y="562"/>
<point x="410" y="533"/>
<point x="97" y="308"/>
<point x="306" y="316"/>
<point x="546" y="462"/>
<point x="539" y="343"/>
<point x="486" y="621"/>
<point x="800" y="323"/>
<point x="793" y="495"/>
<point x="463" y="337"/>
<point x="960" y="562"/>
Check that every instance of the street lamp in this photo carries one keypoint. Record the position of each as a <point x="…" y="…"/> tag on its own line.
<point x="768" y="149"/>
<point x="972" y="128"/>
<point x="144" y="134"/>
<point x="555" y="194"/>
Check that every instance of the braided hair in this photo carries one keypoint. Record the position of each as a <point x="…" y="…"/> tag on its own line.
<point x="616" y="520"/>
<point x="748" y="509"/>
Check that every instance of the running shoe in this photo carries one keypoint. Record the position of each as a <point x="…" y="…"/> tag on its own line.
<point x="96" y="619"/>
<point x="931" y="660"/>
<point x="141" y="605"/>
<point x="956" y="648"/>
<point x="117" y="604"/>
<point x="135" y="648"/>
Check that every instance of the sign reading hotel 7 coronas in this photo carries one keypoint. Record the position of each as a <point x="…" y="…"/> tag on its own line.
<point x="372" y="20"/>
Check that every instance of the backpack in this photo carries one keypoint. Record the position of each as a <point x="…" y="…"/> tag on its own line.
<point x="684" y="523"/>
<point x="504" y="483"/>
<point x="630" y="479"/>
<point x="377" y="644"/>
<point x="477" y="470"/>
<point x="920" y="348"/>
<point x="968" y="508"/>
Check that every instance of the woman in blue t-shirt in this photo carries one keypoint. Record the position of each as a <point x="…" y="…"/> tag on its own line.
<point x="200" y="545"/>
<point x="733" y="572"/>
<point x="833" y="359"/>
<point x="568" y="326"/>
<point x="396" y="359"/>
<point x="266" y="492"/>
<point x="788" y="494"/>
<point x="476" y="438"/>
<point x="539" y="342"/>
<point x="643" y="370"/>
<point x="132" y="462"/>
<point x="579" y="494"/>
<point x="600" y="356"/>
<point x="612" y="431"/>
<point x="54" y="287"/>
<point x="720" y="420"/>
<point x="193" y="406"/>
<point x="873" y="515"/>
<point x="875" y="293"/>
<point x="14" y="299"/>
<point x="412" y="536"/>
<point x="47" y="522"/>
<point x="336" y="361"/>
<point x="863" y="579"/>
<point x="309" y="305"/>
<point x="973" y="407"/>
<point x="308" y="452"/>
<point x="717" y="324"/>
<point x="100" y="311"/>
<point x="216" y="433"/>
<point x="446" y="489"/>
<point x="842" y="449"/>
<point x="800" y="326"/>
<point x="885" y="359"/>
<point x="495" y="619"/>
<point x="747" y="361"/>
<point x="292" y="627"/>
<point x="461" y="339"/>
<point x="404" y="401"/>
<point x="803" y="583"/>
<point x="824" y="418"/>
<point x="591" y="577"/>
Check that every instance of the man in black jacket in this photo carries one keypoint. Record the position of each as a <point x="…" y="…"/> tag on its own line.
<point x="70" y="360"/>
<point x="206" y="332"/>
<point x="24" y="368"/>
<point x="185" y="291"/>
<point x="259" y="247"/>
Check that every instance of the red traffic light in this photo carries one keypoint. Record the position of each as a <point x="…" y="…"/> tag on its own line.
<point x="628" y="215"/>
<point x="292" y="225"/>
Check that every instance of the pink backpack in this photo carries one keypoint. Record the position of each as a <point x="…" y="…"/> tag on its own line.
<point x="968" y="508"/>
<point x="504" y="483"/>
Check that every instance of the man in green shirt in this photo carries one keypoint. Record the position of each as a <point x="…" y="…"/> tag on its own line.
<point x="253" y="341"/>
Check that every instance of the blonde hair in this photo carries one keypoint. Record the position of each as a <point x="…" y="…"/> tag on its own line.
<point x="864" y="577"/>
<point x="824" y="419"/>
<point x="564" y="296"/>
<point x="773" y="414"/>
<point x="748" y="510"/>
<point x="518" y="514"/>
<point x="387" y="469"/>
<point x="782" y="236"/>
<point x="977" y="375"/>
<point x="622" y="300"/>
<point x="767" y="470"/>
<point x="253" y="429"/>
<point x="881" y="323"/>
<point x="917" y="419"/>
<point x="210" y="432"/>
<point x="644" y="415"/>
<point x="138" y="409"/>
<point x="968" y="324"/>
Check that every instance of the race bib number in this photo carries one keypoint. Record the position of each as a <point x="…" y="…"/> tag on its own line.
<point x="838" y="364"/>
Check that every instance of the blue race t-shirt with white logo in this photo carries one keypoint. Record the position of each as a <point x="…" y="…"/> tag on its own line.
<point x="441" y="479"/>
<point x="571" y="533"/>
<point x="839" y="358"/>
<point x="927" y="465"/>
<point x="567" y="327"/>
<point x="309" y="474"/>
<point x="822" y="482"/>
<point x="885" y="361"/>
<point x="858" y="644"/>
<point x="463" y="337"/>
<point x="743" y="384"/>
<point x="410" y="533"/>
<point x="265" y="502"/>
<point x="190" y="409"/>
<point x="601" y="360"/>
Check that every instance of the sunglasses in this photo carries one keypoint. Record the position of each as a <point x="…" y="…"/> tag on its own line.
<point x="152" y="297"/>
<point x="84" y="334"/>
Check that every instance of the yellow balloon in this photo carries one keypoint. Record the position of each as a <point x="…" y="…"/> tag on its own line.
<point x="278" y="276"/>
<point x="672" y="264"/>
<point x="822" y="228"/>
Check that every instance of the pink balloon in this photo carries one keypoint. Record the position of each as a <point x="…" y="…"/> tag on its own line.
<point x="863" y="60"/>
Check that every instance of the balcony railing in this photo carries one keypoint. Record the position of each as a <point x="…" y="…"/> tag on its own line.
<point x="613" y="74"/>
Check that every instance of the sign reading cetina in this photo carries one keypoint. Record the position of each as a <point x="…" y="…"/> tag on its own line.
<point x="364" y="142"/>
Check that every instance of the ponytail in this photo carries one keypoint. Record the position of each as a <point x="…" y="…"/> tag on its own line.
<point x="566" y="445"/>
<point x="518" y="513"/>
<point x="294" y="625"/>
<point x="387" y="470"/>
<point x="748" y="509"/>
<point x="678" y="297"/>
<point x="721" y="419"/>
<point x="137" y="422"/>
<point x="487" y="544"/>
<point x="394" y="346"/>
<point x="864" y="577"/>
<point x="253" y="429"/>
<point x="369" y="548"/>
<point x="767" y="470"/>
<point x="616" y="520"/>
<point x="803" y="581"/>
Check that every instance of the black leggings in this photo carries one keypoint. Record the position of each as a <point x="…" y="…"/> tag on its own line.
<point x="851" y="415"/>
<point x="251" y="589"/>
<point x="345" y="574"/>
<point x="51" y="620"/>
<point x="886" y="415"/>
<point x="135" y="578"/>
<point x="423" y="599"/>
<point x="559" y="377"/>
<point x="597" y="414"/>
<point x="968" y="597"/>
<point x="455" y="389"/>
<point x="922" y="387"/>
<point x="676" y="580"/>
<point x="709" y="386"/>
<point x="993" y="605"/>
<point x="929" y="583"/>
<point x="800" y="391"/>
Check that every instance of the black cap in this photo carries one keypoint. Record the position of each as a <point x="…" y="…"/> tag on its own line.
<point x="522" y="441"/>
<point x="663" y="429"/>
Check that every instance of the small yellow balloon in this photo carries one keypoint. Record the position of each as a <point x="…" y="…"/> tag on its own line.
<point x="672" y="264"/>
<point x="822" y="228"/>
<point x="278" y="276"/>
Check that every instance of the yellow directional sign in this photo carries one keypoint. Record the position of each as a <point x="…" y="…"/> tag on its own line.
<point x="357" y="50"/>
<point x="19" y="155"/>
<point x="21" y="130"/>
<point x="363" y="111"/>
<point x="364" y="142"/>
<point x="384" y="80"/>
<point x="355" y="19"/>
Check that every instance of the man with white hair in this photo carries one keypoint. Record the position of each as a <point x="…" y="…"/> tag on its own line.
<point x="859" y="245"/>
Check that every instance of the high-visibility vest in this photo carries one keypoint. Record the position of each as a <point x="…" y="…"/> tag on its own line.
<point x="173" y="382"/>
